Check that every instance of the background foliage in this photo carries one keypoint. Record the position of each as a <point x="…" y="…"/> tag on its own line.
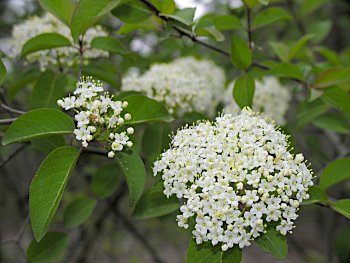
<point x="85" y="207"/>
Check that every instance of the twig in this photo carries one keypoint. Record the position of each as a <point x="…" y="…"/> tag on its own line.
<point x="297" y="21"/>
<point x="12" y="110"/>
<point x="12" y="155"/>
<point x="249" y="27"/>
<point x="81" y="53"/>
<point x="133" y="230"/>
<point x="7" y="121"/>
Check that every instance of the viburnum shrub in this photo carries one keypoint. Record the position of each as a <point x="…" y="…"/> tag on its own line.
<point x="144" y="114"/>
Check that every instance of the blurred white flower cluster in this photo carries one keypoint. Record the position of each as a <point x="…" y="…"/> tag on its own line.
<point x="236" y="176"/>
<point x="270" y="98"/>
<point x="96" y="114"/>
<point x="185" y="84"/>
<point x="60" y="57"/>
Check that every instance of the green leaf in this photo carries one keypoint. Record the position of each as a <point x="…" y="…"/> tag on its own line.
<point x="154" y="203"/>
<point x="47" y="187"/>
<point x="38" y="123"/>
<point x="3" y="72"/>
<point x="165" y="6"/>
<point x="227" y="22"/>
<point x="213" y="32"/>
<point x="251" y="3"/>
<point x="207" y="253"/>
<point x="101" y="72"/>
<point x="281" y="50"/>
<point x="243" y="91"/>
<point x="21" y="81"/>
<point x="134" y="173"/>
<point x="88" y="12"/>
<point x="50" y="249"/>
<point x="286" y="70"/>
<point x="332" y="121"/>
<point x="320" y="29"/>
<point x="335" y="173"/>
<point x="342" y="246"/>
<point x="331" y="56"/>
<point x="184" y="16"/>
<point x="106" y="180"/>
<point x="48" y="90"/>
<point x="109" y="44"/>
<point x="269" y="16"/>
<point x="317" y="195"/>
<point x="308" y="111"/>
<point x="342" y="207"/>
<point x="62" y="9"/>
<point x="337" y="98"/>
<point x="48" y="144"/>
<point x="241" y="56"/>
<point x="132" y="12"/>
<point x="299" y="45"/>
<point x="264" y="2"/>
<point x="143" y="109"/>
<point x="310" y="6"/>
<point x="78" y="211"/>
<point x="155" y="140"/>
<point x="274" y="243"/>
<point x="44" y="41"/>
<point x="332" y="77"/>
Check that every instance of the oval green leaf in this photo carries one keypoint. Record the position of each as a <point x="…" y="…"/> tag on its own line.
<point x="241" y="56"/>
<point x="47" y="187"/>
<point x="44" y="41"/>
<point x="78" y="211"/>
<point x="286" y="70"/>
<point x="132" y="12"/>
<point x="269" y="16"/>
<point x="342" y="207"/>
<point x="144" y="109"/>
<point x="317" y="195"/>
<point x="335" y="173"/>
<point x="38" y="123"/>
<point x="109" y="44"/>
<point x="227" y="22"/>
<point x="88" y="12"/>
<point x="50" y="249"/>
<point x="243" y="91"/>
<point x="134" y="173"/>
<point x="62" y="9"/>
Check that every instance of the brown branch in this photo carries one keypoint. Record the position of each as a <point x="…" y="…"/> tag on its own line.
<point x="7" y="121"/>
<point x="133" y="230"/>
<point x="249" y="27"/>
<point x="11" y="110"/>
<point x="12" y="155"/>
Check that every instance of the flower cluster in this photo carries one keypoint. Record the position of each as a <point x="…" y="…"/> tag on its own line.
<point x="270" y="97"/>
<point x="236" y="176"/>
<point x="97" y="114"/>
<point x="186" y="84"/>
<point x="63" y="56"/>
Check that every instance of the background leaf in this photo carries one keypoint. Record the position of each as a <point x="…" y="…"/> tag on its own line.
<point x="3" y="72"/>
<point x="335" y="172"/>
<point x="106" y="180"/>
<point x="47" y="187"/>
<point x="269" y="16"/>
<point x="78" y="211"/>
<point x="109" y="44"/>
<point x="50" y="249"/>
<point x="132" y="12"/>
<point x="342" y="246"/>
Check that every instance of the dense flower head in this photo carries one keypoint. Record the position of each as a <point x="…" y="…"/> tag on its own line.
<point x="96" y="114"/>
<point x="270" y="98"/>
<point x="237" y="178"/>
<point x="185" y="84"/>
<point x="63" y="56"/>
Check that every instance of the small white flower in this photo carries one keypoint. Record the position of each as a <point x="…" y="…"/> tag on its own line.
<point x="127" y="116"/>
<point x="111" y="154"/>
<point x="130" y="130"/>
<point x="81" y="134"/>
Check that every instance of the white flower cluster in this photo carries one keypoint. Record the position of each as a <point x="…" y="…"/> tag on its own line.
<point x="63" y="56"/>
<point x="270" y="98"/>
<point x="236" y="176"/>
<point x="97" y="114"/>
<point x="186" y="84"/>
